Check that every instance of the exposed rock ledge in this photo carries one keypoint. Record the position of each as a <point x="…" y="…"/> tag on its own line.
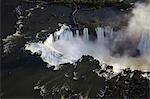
<point x="88" y="78"/>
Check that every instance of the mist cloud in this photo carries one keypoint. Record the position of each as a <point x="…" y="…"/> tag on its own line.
<point x="132" y="44"/>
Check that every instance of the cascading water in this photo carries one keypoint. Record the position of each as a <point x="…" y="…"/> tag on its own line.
<point x="85" y="34"/>
<point x="109" y="32"/>
<point x="144" y="44"/>
<point x="64" y="33"/>
<point x="48" y="53"/>
<point x="77" y="34"/>
<point x="67" y="34"/>
<point x="62" y="47"/>
<point x="100" y="35"/>
<point x="49" y="40"/>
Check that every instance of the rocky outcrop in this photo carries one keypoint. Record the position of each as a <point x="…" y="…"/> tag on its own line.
<point x="88" y="78"/>
<point x="128" y="84"/>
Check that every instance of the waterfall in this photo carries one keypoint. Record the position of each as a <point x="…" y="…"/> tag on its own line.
<point x="100" y="34"/>
<point x="56" y="37"/>
<point x="64" y="33"/>
<point x="61" y="47"/>
<point x="49" y="40"/>
<point x="85" y="34"/>
<point x="144" y="44"/>
<point x="108" y="32"/>
<point x="77" y="33"/>
<point x="54" y="50"/>
<point x="67" y="34"/>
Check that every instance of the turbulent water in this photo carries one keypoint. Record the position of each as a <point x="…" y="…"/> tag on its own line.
<point x="65" y="46"/>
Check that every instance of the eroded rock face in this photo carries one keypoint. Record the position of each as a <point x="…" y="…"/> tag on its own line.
<point x="89" y="78"/>
<point x="72" y="79"/>
<point x="129" y="84"/>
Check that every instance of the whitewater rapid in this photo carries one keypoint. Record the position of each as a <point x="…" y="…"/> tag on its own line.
<point x="64" y="46"/>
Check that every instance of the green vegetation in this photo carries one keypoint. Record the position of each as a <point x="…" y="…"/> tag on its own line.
<point x="101" y="3"/>
<point x="98" y="2"/>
